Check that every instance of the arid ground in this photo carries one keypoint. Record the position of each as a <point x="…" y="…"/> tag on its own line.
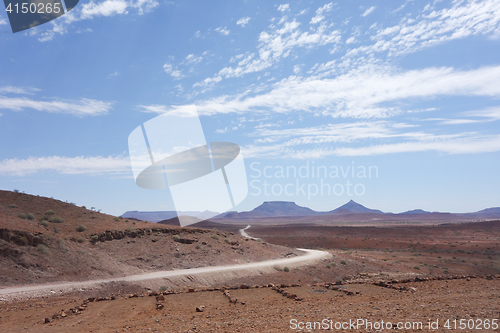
<point x="446" y="275"/>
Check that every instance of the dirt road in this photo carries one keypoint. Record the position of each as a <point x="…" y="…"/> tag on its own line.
<point x="310" y="256"/>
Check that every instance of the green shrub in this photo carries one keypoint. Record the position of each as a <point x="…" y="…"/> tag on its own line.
<point x="23" y="241"/>
<point x="56" y="219"/>
<point x="163" y="288"/>
<point x="198" y="247"/>
<point x="343" y="262"/>
<point x="226" y="240"/>
<point x="286" y="269"/>
<point x="44" y="223"/>
<point x="117" y="219"/>
<point x="215" y="237"/>
<point x="80" y="239"/>
<point x="81" y="228"/>
<point x="22" y="215"/>
<point x="12" y="206"/>
<point x="30" y="216"/>
<point x="333" y="264"/>
<point x="42" y="249"/>
<point x="416" y="267"/>
<point x="49" y="213"/>
<point x="176" y="237"/>
<point x="328" y="266"/>
<point x="56" y="230"/>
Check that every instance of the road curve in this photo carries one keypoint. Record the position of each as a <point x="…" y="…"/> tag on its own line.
<point x="311" y="255"/>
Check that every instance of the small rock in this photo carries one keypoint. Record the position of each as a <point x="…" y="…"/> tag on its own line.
<point x="201" y="308"/>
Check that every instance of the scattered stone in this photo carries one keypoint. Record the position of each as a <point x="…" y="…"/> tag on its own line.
<point x="201" y="308"/>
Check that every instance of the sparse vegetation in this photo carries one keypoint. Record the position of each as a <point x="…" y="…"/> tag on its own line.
<point x="81" y="228"/>
<point x="416" y="267"/>
<point x="198" y="247"/>
<point x="286" y="269"/>
<point x="44" y="223"/>
<point x="163" y="288"/>
<point x="23" y="241"/>
<point x="49" y="213"/>
<point x="343" y="262"/>
<point x="56" y="219"/>
<point x="42" y="249"/>
<point x="12" y="206"/>
<point x="60" y="243"/>
<point x="22" y="216"/>
<point x="176" y="237"/>
<point x="80" y="239"/>
<point x="215" y="237"/>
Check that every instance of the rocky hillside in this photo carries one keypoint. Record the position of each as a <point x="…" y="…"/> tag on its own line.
<point x="46" y="240"/>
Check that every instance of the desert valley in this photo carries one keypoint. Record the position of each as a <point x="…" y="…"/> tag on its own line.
<point x="71" y="269"/>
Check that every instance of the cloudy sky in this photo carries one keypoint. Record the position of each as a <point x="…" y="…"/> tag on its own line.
<point x="407" y="89"/>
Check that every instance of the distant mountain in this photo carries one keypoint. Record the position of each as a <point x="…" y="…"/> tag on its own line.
<point x="415" y="211"/>
<point x="166" y="215"/>
<point x="354" y="207"/>
<point x="281" y="208"/>
<point x="493" y="210"/>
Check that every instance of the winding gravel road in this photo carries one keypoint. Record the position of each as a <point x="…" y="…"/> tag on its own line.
<point x="307" y="258"/>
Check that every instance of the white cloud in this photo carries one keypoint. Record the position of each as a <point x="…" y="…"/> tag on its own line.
<point x="173" y="71"/>
<point x="115" y="73"/>
<point x="467" y="145"/>
<point x="296" y="69"/>
<point x="360" y="94"/>
<point x="192" y="59"/>
<point x="17" y="90"/>
<point x="284" y="8"/>
<point x="463" y="19"/>
<point x="243" y="21"/>
<point x="224" y="31"/>
<point x="368" y="11"/>
<point x="155" y="108"/>
<point x="319" y="13"/>
<point x="93" y="10"/>
<point x="105" y="8"/>
<point x="83" y="107"/>
<point x="66" y="165"/>
<point x="336" y="139"/>
<point x="275" y="45"/>
<point x="2" y="21"/>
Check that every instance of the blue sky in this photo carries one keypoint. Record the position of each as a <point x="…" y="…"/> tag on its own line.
<point x="409" y="87"/>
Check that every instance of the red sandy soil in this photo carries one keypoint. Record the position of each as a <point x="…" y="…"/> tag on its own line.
<point x="33" y="253"/>
<point x="361" y="257"/>
<point x="263" y="309"/>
